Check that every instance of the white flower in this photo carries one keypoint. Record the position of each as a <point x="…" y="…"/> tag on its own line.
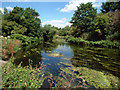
<point x="5" y="37"/>
<point x="1" y="36"/>
<point x="8" y="36"/>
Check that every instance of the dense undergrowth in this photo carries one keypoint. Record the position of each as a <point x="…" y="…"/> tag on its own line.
<point x="25" y="40"/>
<point x="21" y="77"/>
<point x="102" y="43"/>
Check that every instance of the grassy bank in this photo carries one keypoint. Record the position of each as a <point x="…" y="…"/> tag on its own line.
<point x="102" y="43"/>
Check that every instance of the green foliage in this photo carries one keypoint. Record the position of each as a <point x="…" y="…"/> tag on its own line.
<point x="26" y="20"/>
<point x="100" y="29"/>
<point x="11" y="27"/>
<point x="110" y="6"/>
<point x="78" y="41"/>
<point x="21" y="77"/>
<point x="102" y="43"/>
<point x="103" y="27"/>
<point x="114" y="26"/>
<point x="48" y="32"/>
<point x="27" y="40"/>
<point x="115" y="36"/>
<point x="83" y="19"/>
<point x="64" y="31"/>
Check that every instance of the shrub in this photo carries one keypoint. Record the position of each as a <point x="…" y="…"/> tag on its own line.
<point x="102" y="43"/>
<point x="26" y="40"/>
<point x="9" y="47"/>
<point x="21" y="77"/>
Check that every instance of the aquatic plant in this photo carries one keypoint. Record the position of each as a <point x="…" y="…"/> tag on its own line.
<point x="55" y="54"/>
<point x="96" y="79"/>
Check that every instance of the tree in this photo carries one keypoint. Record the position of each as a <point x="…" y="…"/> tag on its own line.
<point x="83" y="18"/>
<point x="28" y="18"/>
<point x="32" y="22"/>
<point x="0" y="22"/>
<point x="100" y="27"/>
<point x="110" y="6"/>
<point x="64" y="31"/>
<point x="48" y="32"/>
<point x="11" y="27"/>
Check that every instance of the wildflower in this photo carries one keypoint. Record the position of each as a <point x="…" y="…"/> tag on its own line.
<point x="8" y="36"/>
<point x="25" y="84"/>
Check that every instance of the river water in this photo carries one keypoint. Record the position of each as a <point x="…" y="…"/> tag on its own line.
<point x="61" y="55"/>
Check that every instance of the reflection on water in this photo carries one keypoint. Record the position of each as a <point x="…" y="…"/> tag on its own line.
<point x="97" y="58"/>
<point x="55" y="54"/>
<point x="52" y="62"/>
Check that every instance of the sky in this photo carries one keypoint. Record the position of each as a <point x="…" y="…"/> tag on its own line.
<point x="54" y="12"/>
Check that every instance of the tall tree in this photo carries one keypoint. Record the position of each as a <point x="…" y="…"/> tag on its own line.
<point x="83" y="18"/>
<point x="28" y="18"/>
<point x="110" y="6"/>
<point x="31" y="21"/>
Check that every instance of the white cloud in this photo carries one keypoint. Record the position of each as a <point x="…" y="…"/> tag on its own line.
<point x="72" y="5"/>
<point x="38" y="17"/>
<point x="58" y="23"/>
<point x="9" y="8"/>
<point x="97" y="4"/>
<point x="1" y="10"/>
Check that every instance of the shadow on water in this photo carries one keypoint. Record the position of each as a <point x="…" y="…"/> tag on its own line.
<point x="101" y="59"/>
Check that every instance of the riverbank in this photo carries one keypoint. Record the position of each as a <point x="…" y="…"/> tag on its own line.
<point x="102" y="43"/>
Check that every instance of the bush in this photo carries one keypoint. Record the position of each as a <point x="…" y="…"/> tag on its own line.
<point x="21" y="77"/>
<point x="9" y="47"/>
<point x="27" y="40"/>
<point x="78" y="41"/>
<point x="115" y="36"/>
<point x="102" y="43"/>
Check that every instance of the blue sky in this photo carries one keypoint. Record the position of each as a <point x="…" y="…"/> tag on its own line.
<point x="55" y="13"/>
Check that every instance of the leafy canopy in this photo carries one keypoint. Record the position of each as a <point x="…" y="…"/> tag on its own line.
<point x="83" y="18"/>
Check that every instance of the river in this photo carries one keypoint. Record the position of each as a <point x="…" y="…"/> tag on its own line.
<point x="93" y="63"/>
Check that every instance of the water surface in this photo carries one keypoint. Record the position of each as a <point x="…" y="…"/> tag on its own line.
<point x="94" y="58"/>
